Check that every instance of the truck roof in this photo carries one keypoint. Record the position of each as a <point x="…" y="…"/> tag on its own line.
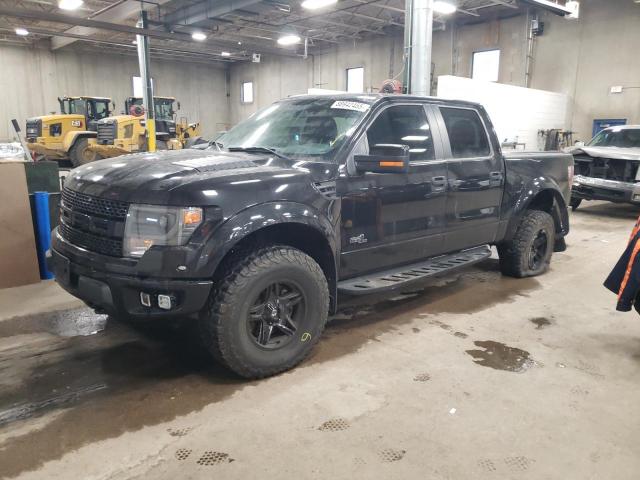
<point x="373" y="98"/>
<point x="623" y="127"/>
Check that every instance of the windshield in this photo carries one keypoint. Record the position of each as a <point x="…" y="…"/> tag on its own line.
<point x="304" y="127"/>
<point x="76" y="106"/>
<point x="100" y="109"/>
<point x="163" y="109"/>
<point x="617" y="137"/>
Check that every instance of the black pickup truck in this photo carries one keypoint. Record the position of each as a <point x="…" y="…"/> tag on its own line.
<point x="254" y="239"/>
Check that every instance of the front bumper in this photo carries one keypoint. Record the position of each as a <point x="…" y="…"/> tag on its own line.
<point x="119" y="294"/>
<point x="590" y="188"/>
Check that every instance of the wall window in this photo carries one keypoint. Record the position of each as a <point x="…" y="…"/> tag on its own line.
<point x="246" y="92"/>
<point x="467" y="135"/>
<point x="138" y="86"/>
<point x="486" y="65"/>
<point x="355" y="80"/>
<point x="404" y="125"/>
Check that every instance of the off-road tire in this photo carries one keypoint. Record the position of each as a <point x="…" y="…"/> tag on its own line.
<point x="515" y="254"/>
<point x="222" y="324"/>
<point x="80" y="155"/>
<point x="574" y="203"/>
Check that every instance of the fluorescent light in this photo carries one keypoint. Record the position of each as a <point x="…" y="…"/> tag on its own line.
<point x="198" y="36"/>
<point x="443" y="7"/>
<point x="225" y="54"/>
<point x="23" y="32"/>
<point x="70" y="4"/>
<point x="289" y="39"/>
<point x="315" y="4"/>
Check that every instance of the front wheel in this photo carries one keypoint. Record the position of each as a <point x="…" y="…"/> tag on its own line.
<point x="529" y="252"/>
<point x="267" y="313"/>
<point x="80" y="153"/>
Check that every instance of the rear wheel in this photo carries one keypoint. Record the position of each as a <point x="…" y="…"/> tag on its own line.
<point x="267" y="313"/>
<point x="79" y="153"/>
<point x="529" y="252"/>
<point x="574" y="203"/>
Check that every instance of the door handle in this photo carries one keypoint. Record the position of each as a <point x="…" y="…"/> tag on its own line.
<point x="496" y="178"/>
<point x="440" y="181"/>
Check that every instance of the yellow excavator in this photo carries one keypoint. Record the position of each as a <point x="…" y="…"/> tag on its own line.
<point x="67" y="135"/>
<point x="122" y="134"/>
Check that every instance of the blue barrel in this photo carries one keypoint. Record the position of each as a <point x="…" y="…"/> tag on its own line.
<point x="43" y="231"/>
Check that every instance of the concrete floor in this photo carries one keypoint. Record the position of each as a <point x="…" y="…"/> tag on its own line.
<point x="477" y="376"/>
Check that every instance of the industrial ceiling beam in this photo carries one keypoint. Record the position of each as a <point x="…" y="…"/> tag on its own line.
<point x="183" y="51"/>
<point x="115" y="12"/>
<point x="100" y="25"/>
<point x="205" y="10"/>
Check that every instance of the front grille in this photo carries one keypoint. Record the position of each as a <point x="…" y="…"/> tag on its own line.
<point x="103" y="245"/>
<point x="103" y="207"/>
<point x="93" y="223"/>
<point x="34" y="129"/>
<point x="106" y="132"/>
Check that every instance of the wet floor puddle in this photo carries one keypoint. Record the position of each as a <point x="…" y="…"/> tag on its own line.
<point x="66" y="323"/>
<point x="540" y="322"/>
<point x="501" y="357"/>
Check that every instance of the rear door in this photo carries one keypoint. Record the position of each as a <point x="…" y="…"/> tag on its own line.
<point x="394" y="218"/>
<point x="476" y="175"/>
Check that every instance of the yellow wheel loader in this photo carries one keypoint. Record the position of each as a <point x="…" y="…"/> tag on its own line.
<point x="67" y="135"/>
<point x="122" y="134"/>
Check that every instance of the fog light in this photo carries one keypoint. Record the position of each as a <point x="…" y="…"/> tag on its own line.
<point x="164" y="302"/>
<point x="145" y="299"/>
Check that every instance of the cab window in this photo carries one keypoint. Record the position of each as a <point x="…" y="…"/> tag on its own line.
<point x="467" y="135"/>
<point x="404" y="125"/>
<point x="101" y="110"/>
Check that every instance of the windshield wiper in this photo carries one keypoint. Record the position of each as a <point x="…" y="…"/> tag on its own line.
<point x="258" y="150"/>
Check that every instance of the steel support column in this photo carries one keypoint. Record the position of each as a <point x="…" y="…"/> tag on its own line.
<point x="145" y="75"/>
<point x="419" y="14"/>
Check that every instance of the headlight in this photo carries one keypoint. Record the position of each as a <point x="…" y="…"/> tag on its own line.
<point x="148" y="225"/>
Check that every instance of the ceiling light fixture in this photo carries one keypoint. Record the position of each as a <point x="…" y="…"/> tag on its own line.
<point x="446" y="8"/>
<point x="23" y="32"/>
<point x="70" y="4"/>
<point x="289" y="39"/>
<point x="198" y="36"/>
<point x="225" y="54"/>
<point x="316" y="4"/>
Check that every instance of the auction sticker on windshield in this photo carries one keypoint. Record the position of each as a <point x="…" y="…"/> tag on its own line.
<point x="346" y="105"/>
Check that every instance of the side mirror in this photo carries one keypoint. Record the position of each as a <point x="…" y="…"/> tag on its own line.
<point x="579" y="144"/>
<point x="178" y="105"/>
<point x="384" y="158"/>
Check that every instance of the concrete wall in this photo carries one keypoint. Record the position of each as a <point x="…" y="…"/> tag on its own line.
<point x="33" y="78"/>
<point x="585" y="58"/>
<point x="581" y="58"/>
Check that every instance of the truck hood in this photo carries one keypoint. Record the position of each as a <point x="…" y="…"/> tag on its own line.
<point x="194" y="177"/>
<point x="618" y="153"/>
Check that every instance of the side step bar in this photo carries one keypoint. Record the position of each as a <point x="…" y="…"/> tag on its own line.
<point x="400" y="277"/>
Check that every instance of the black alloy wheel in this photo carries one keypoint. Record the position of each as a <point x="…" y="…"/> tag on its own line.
<point x="538" y="252"/>
<point x="274" y="315"/>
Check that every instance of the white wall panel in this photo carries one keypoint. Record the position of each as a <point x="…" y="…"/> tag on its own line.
<point x="517" y="113"/>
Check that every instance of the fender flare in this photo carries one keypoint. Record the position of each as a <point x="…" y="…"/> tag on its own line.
<point x="225" y="236"/>
<point x="71" y="138"/>
<point x="547" y="193"/>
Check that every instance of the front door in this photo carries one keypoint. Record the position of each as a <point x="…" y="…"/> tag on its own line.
<point x="476" y="179"/>
<point x="394" y="218"/>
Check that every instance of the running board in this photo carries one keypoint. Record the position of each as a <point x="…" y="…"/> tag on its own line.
<point x="402" y="276"/>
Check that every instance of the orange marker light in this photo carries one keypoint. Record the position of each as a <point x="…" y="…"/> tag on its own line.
<point x="389" y="163"/>
<point x="192" y="216"/>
